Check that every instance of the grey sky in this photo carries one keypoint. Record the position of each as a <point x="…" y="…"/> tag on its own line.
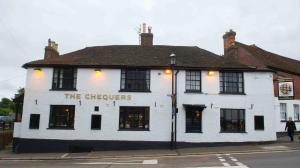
<point x="25" y="26"/>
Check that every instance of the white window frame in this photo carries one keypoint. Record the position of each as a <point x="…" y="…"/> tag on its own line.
<point x="283" y="111"/>
<point x="296" y="112"/>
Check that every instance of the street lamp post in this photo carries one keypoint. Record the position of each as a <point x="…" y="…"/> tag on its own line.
<point x="173" y="97"/>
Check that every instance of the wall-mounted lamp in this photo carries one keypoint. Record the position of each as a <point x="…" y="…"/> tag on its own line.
<point x="37" y="70"/>
<point x="210" y="73"/>
<point x="167" y="71"/>
<point x="98" y="71"/>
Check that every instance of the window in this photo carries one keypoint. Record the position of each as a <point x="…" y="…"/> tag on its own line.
<point x="193" y="120"/>
<point x="296" y="112"/>
<point x="134" y="118"/>
<point x="259" y="123"/>
<point x="232" y="120"/>
<point x="34" y="122"/>
<point x="232" y="82"/>
<point x="135" y="80"/>
<point x="64" y="79"/>
<point x="96" y="108"/>
<point x="193" y="81"/>
<point x="62" y="116"/>
<point x="283" y="110"/>
<point x="96" y="122"/>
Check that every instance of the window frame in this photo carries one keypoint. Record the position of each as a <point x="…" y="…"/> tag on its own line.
<point x="125" y="80"/>
<point x="223" y="81"/>
<point x="53" y="117"/>
<point x="192" y="81"/>
<point x="59" y="81"/>
<point x="296" y="116"/>
<point x="100" y="122"/>
<point x="261" y="126"/>
<point x="281" y="112"/>
<point x="241" y="128"/>
<point x="31" y="122"/>
<point x="126" y="110"/>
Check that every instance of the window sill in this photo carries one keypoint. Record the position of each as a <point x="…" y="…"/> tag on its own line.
<point x="128" y="129"/>
<point x="95" y="129"/>
<point x="33" y="128"/>
<point x="146" y="91"/>
<point x="193" y="91"/>
<point x="60" y="128"/>
<point x="234" y="132"/>
<point x="187" y="132"/>
<point x="259" y="129"/>
<point x="225" y="93"/>
<point x="62" y="89"/>
<point x="283" y="120"/>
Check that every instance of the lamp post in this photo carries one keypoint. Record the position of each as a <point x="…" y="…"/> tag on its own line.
<point x="173" y="97"/>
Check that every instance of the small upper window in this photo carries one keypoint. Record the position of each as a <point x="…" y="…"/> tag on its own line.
<point x="64" y="79"/>
<point x="135" y="80"/>
<point x="34" y="122"/>
<point x="193" y="81"/>
<point x="232" y="82"/>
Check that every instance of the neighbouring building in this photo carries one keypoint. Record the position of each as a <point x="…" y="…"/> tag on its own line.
<point x="286" y="77"/>
<point x="119" y="97"/>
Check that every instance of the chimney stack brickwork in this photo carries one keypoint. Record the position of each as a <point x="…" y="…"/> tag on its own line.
<point x="229" y="40"/>
<point x="146" y="37"/>
<point x="51" y="50"/>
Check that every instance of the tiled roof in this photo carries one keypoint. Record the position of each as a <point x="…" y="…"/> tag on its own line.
<point x="271" y="60"/>
<point x="139" y="56"/>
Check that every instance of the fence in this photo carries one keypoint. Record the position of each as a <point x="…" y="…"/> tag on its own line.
<point x="6" y="133"/>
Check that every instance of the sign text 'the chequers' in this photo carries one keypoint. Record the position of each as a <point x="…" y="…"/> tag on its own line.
<point x="105" y="97"/>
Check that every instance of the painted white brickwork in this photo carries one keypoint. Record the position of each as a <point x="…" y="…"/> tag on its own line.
<point x="258" y="100"/>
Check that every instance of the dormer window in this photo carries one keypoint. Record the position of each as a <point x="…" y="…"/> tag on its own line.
<point x="64" y="79"/>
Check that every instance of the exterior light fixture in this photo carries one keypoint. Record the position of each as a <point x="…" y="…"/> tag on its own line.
<point x="172" y="59"/>
<point x="98" y="71"/>
<point x="211" y="73"/>
<point x="168" y="71"/>
<point x="37" y="70"/>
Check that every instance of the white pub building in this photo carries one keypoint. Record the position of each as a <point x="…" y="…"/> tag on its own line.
<point x="142" y="96"/>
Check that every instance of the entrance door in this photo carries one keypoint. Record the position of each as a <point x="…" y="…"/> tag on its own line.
<point x="193" y="122"/>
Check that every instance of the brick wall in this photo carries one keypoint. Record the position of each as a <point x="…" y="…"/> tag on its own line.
<point x="295" y="78"/>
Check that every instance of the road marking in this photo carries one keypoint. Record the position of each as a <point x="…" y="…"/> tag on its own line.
<point x="129" y="162"/>
<point x="64" y="155"/>
<point x="275" y="147"/>
<point x="221" y="167"/>
<point x="226" y="164"/>
<point x="239" y="164"/>
<point x="222" y="160"/>
<point x="150" y="161"/>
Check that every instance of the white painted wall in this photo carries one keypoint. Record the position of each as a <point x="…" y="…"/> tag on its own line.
<point x="280" y="126"/>
<point x="38" y="98"/>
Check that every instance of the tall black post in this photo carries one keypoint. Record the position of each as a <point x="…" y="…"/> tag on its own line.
<point x="172" y="98"/>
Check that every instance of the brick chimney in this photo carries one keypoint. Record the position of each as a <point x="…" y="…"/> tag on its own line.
<point x="51" y="50"/>
<point x="229" y="40"/>
<point x="146" y="37"/>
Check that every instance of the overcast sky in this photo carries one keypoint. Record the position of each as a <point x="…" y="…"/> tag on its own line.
<point x="25" y="26"/>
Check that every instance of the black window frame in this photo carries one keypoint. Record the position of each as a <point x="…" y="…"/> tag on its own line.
<point x="193" y="79"/>
<point x="232" y="82"/>
<point x="135" y="111"/>
<point x="96" y="108"/>
<point x="224" y="115"/>
<point x="131" y="79"/>
<point x="190" y="120"/>
<point x="95" y="126"/>
<point x="62" y="82"/>
<point x="57" y="116"/>
<point x="259" y="122"/>
<point x="34" y="121"/>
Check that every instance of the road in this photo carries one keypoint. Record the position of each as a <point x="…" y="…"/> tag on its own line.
<point x="267" y="159"/>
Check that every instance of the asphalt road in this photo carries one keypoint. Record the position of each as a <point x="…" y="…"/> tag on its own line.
<point x="269" y="159"/>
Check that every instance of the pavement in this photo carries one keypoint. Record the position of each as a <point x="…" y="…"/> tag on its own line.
<point x="282" y="144"/>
